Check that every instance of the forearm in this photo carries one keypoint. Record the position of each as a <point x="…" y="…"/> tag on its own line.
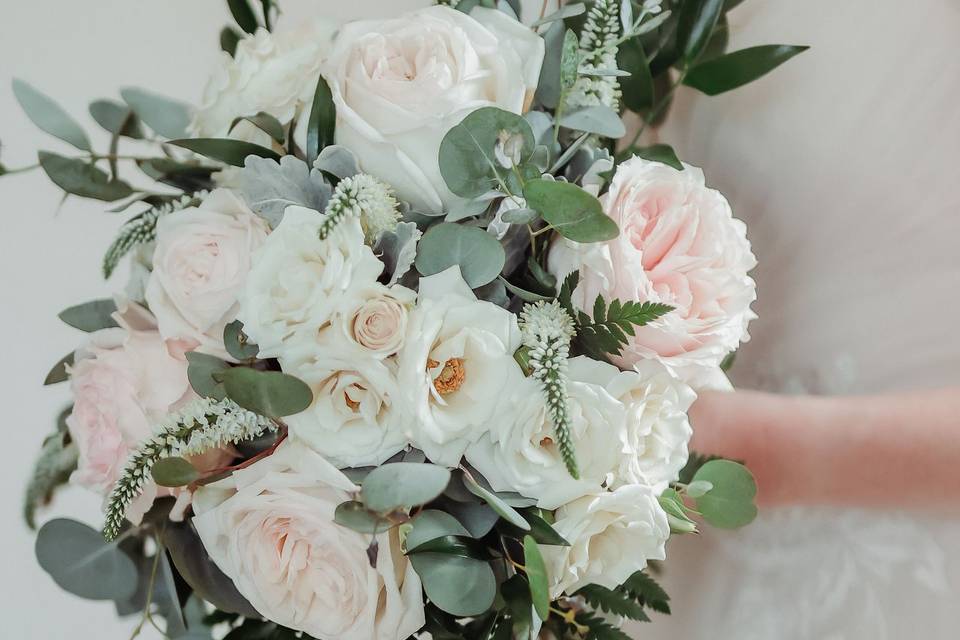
<point x="897" y="450"/>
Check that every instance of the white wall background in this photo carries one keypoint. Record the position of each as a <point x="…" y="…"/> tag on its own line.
<point x="77" y="51"/>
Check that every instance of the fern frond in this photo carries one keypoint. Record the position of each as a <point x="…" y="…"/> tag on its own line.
<point x="599" y="629"/>
<point x="606" y="332"/>
<point x="202" y="425"/>
<point x="614" y="601"/>
<point x="647" y="592"/>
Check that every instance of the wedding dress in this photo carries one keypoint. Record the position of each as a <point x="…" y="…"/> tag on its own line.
<point x="843" y="163"/>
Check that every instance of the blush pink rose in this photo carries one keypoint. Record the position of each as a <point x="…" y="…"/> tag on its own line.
<point x="200" y="264"/>
<point x="679" y="244"/>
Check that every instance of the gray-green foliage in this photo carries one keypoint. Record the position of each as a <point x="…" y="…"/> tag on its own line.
<point x="397" y="249"/>
<point x="165" y="116"/>
<point x="729" y="502"/>
<point x="477" y="253"/>
<point x="49" y="116"/>
<point x="269" y="186"/>
<point x="91" y="316"/>
<point x="402" y="485"/>
<point x="81" y="562"/>
<point x="56" y="461"/>
<point x="573" y="212"/>
<point x="82" y="178"/>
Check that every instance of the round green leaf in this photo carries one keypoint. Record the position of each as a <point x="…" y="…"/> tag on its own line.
<point x="479" y="154"/>
<point x="402" y="485"/>
<point x="201" y="369"/>
<point x="353" y="515"/>
<point x="536" y="570"/>
<point x="174" y="472"/>
<point x="81" y="562"/>
<point x="573" y="212"/>
<point x="431" y="524"/>
<point x="460" y="586"/>
<point x="729" y="503"/>
<point x="478" y="254"/>
<point x="237" y="343"/>
<point x="269" y="393"/>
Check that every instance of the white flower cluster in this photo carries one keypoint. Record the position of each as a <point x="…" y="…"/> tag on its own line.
<point x="598" y="52"/>
<point x="366" y="198"/>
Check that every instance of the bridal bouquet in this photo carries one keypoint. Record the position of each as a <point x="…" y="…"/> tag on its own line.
<point x="409" y="338"/>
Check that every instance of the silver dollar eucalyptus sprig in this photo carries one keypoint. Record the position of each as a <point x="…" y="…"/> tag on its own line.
<point x="201" y="426"/>
<point x="367" y="198"/>
<point x="141" y="230"/>
<point x="547" y="331"/>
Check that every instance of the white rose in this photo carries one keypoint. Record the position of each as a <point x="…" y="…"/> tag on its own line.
<point x="400" y="85"/>
<point x="354" y="420"/>
<point x="275" y="73"/>
<point x="658" y="430"/>
<point x="200" y="266"/>
<point x="456" y="365"/>
<point x="298" y="282"/>
<point x="520" y="452"/>
<point x="612" y="535"/>
<point x="270" y="528"/>
<point x="678" y="244"/>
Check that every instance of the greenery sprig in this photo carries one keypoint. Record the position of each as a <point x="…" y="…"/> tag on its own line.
<point x="365" y="197"/>
<point x="202" y="425"/>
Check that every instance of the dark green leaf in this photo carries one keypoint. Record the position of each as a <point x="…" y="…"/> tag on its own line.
<point x="242" y="12"/>
<point x="729" y="504"/>
<point x="49" y="116"/>
<point x="321" y="127"/>
<point x="637" y="89"/>
<point x="174" y="472"/>
<point x="188" y="176"/>
<point x="696" y="22"/>
<point x="402" y="485"/>
<point x="496" y="503"/>
<point x="536" y="570"/>
<point x="81" y="178"/>
<point x="542" y="532"/>
<point x="738" y="68"/>
<point x="523" y="294"/>
<point x="90" y="316"/>
<point x="116" y="118"/>
<point x="599" y="629"/>
<point x="462" y="546"/>
<point x="237" y="343"/>
<point x="613" y="601"/>
<point x="659" y="153"/>
<point x="232" y="152"/>
<point x="607" y="331"/>
<point x="431" y="524"/>
<point x="266" y="123"/>
<point x="478" y="254"/>
<point x="59" y="371"/>
<point x="229" y="39"/>
<point x="573" y="212"/>
<point x="646" y="589"/>
<point x="79" y="561"/>
<point x="269" y="393"/>
<point x="482" y="152"/>
<point x="167" y="117"/>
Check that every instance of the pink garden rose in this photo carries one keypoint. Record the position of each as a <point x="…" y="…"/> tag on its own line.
<point x="679" y="244"/>
<point x="123" y="381"/>
<point x="200" y="264"/>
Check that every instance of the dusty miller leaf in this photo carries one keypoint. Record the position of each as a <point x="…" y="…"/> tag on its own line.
<point x="398" y="249"/>
<point x="53" y="467"/>
<point x="270" y="187"/>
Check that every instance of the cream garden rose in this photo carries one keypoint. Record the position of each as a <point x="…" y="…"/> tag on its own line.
<point x="298" y="282"/>
<point x="399" y="85"/>
<point x="200" y="266"/>
<point x="273" y="73"/>
<point x="612" y="535"/>
<point x="520" y="453"/>
<point x="456" y="365"/>
<point x="679" y="244"/>
<point x="270" y="528"/>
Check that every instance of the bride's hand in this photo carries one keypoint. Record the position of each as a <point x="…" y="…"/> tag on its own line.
<point x="900" y="450"/>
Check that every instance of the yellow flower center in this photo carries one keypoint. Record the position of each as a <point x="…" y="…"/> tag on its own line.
<point x="451" y="376"/>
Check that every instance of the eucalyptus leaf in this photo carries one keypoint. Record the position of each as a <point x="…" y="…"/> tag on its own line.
<point x="598" y="119"/>
<point x="460" y="586"/>
<point x="402" y="485"/>
<point x="90" y="316"/>
<point x="431" y="524"/>
<point x="116" y="118"/>
<point x="269" y="186"/>
<point x="81" y="562"/>
<point x="269" y="393"/>
<point x="496" y="503"/>
<point x="478" y="519"/>
<point x="536" y="570"/>
<point x="480" y="154"/>
<point x="738" y="68"/>
<point x="548" y="86"/>
<point x="237" y="343"/>
<point x="321" y="126"/>
<point x="566" y="11"/>
<point x="573" y="212"/>
<point x="520" y="216"/>
<point x="729" y="504"/>
<point x="174" y="472"/>
<point x="81" y="178"/>
<point x="58" y="373"/>
<point x="169" y="118"/>
<point x="477" y="253"/>
<point x="266" y="123"/>
<point x="226" y="150"/>
<point x="523" y="294"/>
<point x="201" y="369"/>
<point x="49" y="116"/>
<point x="354" y="515"/>
<point x="699" y="488"/>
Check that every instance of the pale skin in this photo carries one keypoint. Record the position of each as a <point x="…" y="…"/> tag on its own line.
<point x="888" y="451"/>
